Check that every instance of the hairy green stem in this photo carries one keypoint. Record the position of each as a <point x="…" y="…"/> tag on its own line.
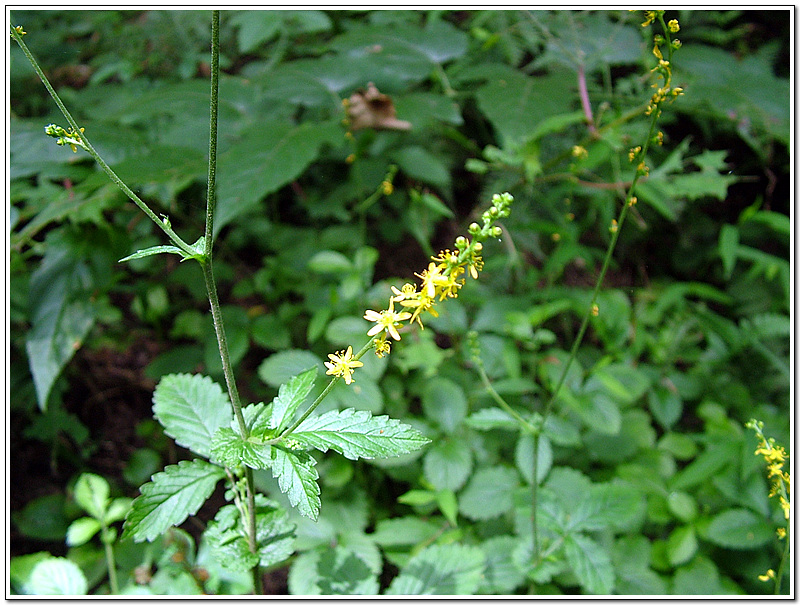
<point x="211" y="287"/>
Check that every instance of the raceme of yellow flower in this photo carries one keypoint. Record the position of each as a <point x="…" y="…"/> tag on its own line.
<point x="442" y="279"/>
<point x="342" y="364"/>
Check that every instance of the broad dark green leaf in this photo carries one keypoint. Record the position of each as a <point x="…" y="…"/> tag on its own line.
<point x="516" y="104"/>
<point x="739" y="529"/>
<point x="444" y="402"/>
<point x="172" y="496"/>
<point x="191" y="408"/>
<point x="266" y="159"/>
<point x="61" y="315"/>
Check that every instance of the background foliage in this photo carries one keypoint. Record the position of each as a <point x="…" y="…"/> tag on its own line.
<point x="648" y="479"/>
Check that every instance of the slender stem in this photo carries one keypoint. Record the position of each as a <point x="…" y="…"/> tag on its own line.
<point x="163" y="225"/>
<point x="502" y="402"/>
<point x="110" y="561"/>
<point x="211" y="196"/>
<point x="606" y="263"/>
<point x="211" y="287"/>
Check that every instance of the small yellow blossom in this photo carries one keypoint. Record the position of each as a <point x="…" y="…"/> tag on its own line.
<point x="595" y="310"/>
<point x="632" y="200"/>
<point x="386" y="321"/>
<point x="674" y="26"/>
<point x="613" y="228"/>
<point x="382" y="347"/>
<point x="342" y="364"/>
<point x="579" y="152"/>
<point x="555" y="236"/>
<point x="649" y="17"/>
<point x="18" y="29"/>
<point x="350" y="158"/>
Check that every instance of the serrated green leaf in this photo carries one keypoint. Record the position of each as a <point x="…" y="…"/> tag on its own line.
<point x="227" y="540"/>
<point x="297" y="478"/>
<point x="230" y="449"/>
<point x="739" y="529"/>
<point x="82" y="530"/>
<point x="441" y="569"/>
<point x="91" y="494"/>
<point x="590" y="564"/>
<point x="502" y="574"/>
<point x="332" y="570"/>
<point x="173" y="495"/>
<point x="274" y="536"/>
<point x="358" y="434"/>
<point x="191" y="408"/>
<point x="489" y="493"/>
<point x="56" y="576"/>
<point x="606" y="505"/>
<point x="290" y="396"/>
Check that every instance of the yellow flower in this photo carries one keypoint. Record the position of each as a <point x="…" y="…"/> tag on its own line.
<point x="673" y="26"/>
<point x="434" y="281"/>
<point x="342" y="364"/>
<point x="386" y="320"/>
<point x="649" y="17"/>
<point x="770" y="575"/>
